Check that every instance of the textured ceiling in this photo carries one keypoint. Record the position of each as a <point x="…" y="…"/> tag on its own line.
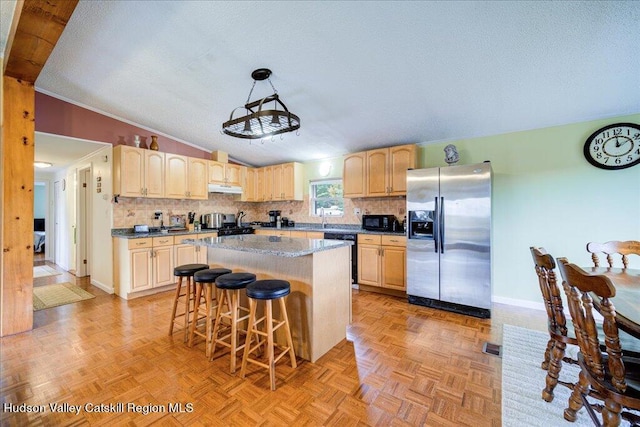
<point x="358" y="74"/>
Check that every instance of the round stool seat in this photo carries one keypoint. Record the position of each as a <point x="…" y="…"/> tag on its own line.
<point x="268" y="289"/>
<point x="209" y="275"/>
<point x="186" y="270"/>
<point x="235" y="280"/>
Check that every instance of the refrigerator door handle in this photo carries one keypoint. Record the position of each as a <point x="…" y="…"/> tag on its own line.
<point x="441" y="225"/>
<point x="436" y="226"/>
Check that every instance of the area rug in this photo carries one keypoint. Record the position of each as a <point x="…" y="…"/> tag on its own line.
<point x="523" y="381"/>
<point x="59" y="294"/>
<point x="44" y="271"/>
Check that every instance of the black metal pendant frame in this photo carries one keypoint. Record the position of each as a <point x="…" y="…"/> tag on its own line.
<point x="261" y="123"/>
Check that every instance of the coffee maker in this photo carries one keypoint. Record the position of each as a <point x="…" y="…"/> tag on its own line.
<point x="274" y="216"/>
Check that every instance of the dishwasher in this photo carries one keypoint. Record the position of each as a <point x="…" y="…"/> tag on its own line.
<point x="353" y="237"/>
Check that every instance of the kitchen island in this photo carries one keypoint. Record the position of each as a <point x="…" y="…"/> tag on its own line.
<point x="319" y="270"/>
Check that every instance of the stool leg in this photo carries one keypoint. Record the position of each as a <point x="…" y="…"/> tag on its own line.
<point x="270" y="356"/>
<point x="224" y="299"/>
<point x="234" y="330"/>
<point x="209" y="304"/>
<point x="247" y="343"/>
<point x="187" y="305"/>
<point x="175" y="304"/>
<point x="196" y="306"/>
<point x="292" y="354"/>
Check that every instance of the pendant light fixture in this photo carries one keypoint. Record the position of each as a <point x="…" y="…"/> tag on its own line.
<point x="260" y="121"/>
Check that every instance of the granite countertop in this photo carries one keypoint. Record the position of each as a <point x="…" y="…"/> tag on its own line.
<point x="127" y="233"/>
<point x="269" y="245"/>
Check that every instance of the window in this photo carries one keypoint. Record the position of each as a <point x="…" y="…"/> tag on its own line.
<point x="326" y="194"/>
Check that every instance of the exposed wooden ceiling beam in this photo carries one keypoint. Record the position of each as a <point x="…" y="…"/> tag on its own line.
<point x="40" y="24"/>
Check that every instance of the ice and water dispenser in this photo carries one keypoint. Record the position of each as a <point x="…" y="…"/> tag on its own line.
<point x="421" y="225"/>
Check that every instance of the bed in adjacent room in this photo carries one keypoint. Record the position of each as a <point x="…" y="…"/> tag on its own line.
<point x="38" y="234"/>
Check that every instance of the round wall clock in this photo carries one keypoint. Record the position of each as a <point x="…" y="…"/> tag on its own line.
<point x="616" y="146"/>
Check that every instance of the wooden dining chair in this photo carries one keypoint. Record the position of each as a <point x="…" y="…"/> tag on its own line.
<point x="610" y="375"/>
<point x="630" y="247"/>
<point x="554" y="354"/>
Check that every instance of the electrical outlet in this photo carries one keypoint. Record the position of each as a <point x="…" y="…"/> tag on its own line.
<point x="356" y="211"/>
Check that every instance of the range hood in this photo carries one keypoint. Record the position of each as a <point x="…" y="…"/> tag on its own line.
<point x="230" y="189"/>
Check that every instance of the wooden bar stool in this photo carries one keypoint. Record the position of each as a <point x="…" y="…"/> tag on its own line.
<point x="230" y="286"/>
<point x="186" y="270"/>
<point x="205" y="279"/>
<point x="267" y="291"/>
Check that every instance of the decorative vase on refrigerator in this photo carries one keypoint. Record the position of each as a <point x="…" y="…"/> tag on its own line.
<point x="449" y="238"/>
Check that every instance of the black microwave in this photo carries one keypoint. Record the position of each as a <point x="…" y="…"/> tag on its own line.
<point x="378" y="222"/>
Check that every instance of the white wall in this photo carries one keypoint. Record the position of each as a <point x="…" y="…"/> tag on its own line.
<point x="101" y="260"/>
<point x="546" y="194"/>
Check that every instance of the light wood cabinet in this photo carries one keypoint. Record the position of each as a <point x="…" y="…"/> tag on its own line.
<point x="260" y="185"/>
<point x="176" y="176"/>
<point x="278" y="182"/>
<point x="225" y="173"/>
<point x="315" y="234"/>
<point x="353" y="175"/>
<point x="185" y="177"/>
<point x="143" y="264"/>
<point x="273" y="232"/>
<point x="382" y="261"/>
<point x="249" y="185"/>
<point x="378" y="173"/>
<point x="197" y="177"/>
<point x="138" y="172"/>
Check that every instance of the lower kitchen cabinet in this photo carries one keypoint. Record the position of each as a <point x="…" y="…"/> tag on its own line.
<point x="142" y="264"/>
<point x="382" y="261"/>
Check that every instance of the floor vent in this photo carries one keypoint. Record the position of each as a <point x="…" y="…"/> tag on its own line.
<point x="492" y="349"/>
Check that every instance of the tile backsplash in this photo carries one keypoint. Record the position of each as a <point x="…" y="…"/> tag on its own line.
<point x="130" y="211"/>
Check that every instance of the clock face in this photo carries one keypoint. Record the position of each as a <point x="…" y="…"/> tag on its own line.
<point x="615" y="146"/>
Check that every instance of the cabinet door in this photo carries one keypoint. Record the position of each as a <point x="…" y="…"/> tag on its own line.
<point x="128" y="171"/>
<point x="401" y="158"/>
<point x="394" y="267"/>
<point x="163" y="266"/>
<point x="377" y="175"/>
<point x="315" y="235"/>
<point x="353" y="175"/>
<point x="185" y="254"/>
<point x="234" y="174"/>
<point x="141" y="273"/>
<point x="268" y="183"/>
<point x="249" y="186"/>
<point x="154" y="174"/>
<point x="216" y="172"/>
<point x="291" y="189"/>
<point x="175" y="184"/>
<point x="369" y="265"/>
<point x="260" y="185"/>
<point x="197" y="178"/>
<point x="278" y="193"/>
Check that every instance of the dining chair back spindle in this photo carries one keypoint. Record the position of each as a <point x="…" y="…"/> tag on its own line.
<point x="630" y="247"/>
<point x="611" y="375"/>
<point x="554" y="354"/>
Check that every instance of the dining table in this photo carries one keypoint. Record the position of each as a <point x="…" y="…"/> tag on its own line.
<point x="627" y="298"/>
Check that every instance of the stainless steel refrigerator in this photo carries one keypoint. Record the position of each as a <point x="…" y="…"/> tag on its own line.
<point x="449" y="238"/>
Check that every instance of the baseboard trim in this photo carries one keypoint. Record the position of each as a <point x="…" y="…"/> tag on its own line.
<point x="107" y="289"/>
<point x="519" y="303"/>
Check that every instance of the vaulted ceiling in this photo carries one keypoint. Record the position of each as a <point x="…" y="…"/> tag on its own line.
<point x="358" y="74"/>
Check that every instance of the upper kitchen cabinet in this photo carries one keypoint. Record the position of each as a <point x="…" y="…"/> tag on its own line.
<point x="185" y="177"/>
<point x="249" y="185"/>
<point x="378" y="173"/>
<point x="354" y="175"/>
<point x="225" y="173"/>
<point x="279" y="182"/>
<point x="287" y="181"/>
<point x="138" y="172"/>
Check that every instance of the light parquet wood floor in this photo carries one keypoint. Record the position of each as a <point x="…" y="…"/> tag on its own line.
<point x="401" y="365"/>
